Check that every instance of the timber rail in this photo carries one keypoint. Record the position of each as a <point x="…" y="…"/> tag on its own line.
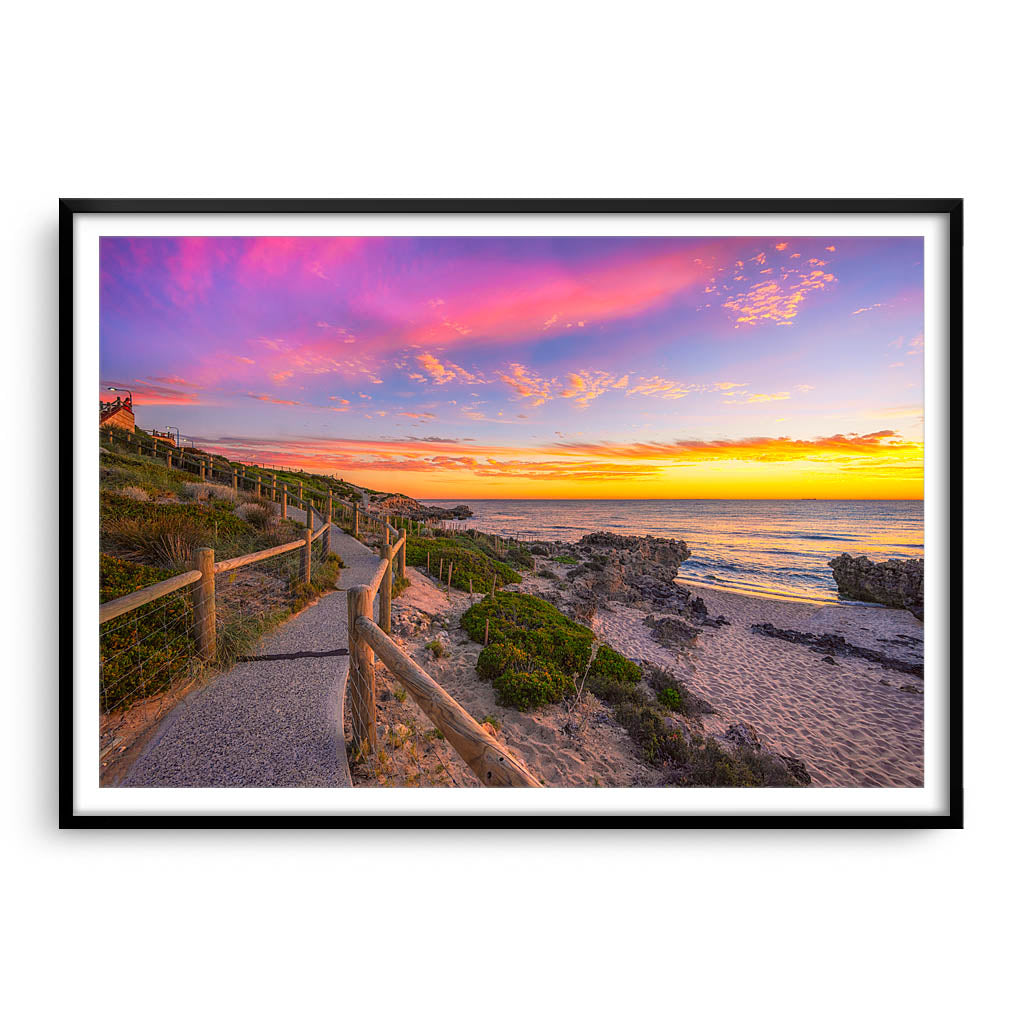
<point x="367" y="640"/>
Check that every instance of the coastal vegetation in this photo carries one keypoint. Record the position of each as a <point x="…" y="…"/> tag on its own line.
<point x="669" y="741"/>
<point x="152" y="520"/>
<point x="473" y="560"/>
<point x="533" y="651"/>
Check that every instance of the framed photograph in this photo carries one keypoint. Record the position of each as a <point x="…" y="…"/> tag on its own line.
<point x="512" y="512"/>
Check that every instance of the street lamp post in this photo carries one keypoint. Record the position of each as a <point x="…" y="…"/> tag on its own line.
<point x="131" y="401"/>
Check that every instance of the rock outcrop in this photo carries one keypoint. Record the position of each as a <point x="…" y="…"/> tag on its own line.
<point x="898" y="583"/>
<point x="640" y="571"/>
<point x="403" y="505"/>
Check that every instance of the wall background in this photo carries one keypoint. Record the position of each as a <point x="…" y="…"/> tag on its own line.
<point x="532" y="99"/>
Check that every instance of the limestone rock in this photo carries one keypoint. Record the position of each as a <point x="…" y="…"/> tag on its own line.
<point x="742" y="734"/>
<point x="898" y="583"/>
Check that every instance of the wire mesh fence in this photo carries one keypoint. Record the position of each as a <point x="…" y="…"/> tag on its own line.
<point x="144" y="651"/>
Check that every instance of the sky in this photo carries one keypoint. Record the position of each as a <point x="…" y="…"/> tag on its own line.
<point x="532" y="367"/>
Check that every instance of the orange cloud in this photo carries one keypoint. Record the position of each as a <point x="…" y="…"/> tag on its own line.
<point x="660" y="387"/>
<point x="834" y="464"/>
<point x="442" y="373"/>
<point x="756" y="399"/>
<point x="772" y="302"/>
<point x="528" y="385"/>
<point x="270" y="398"/>
<point x="145" y="393"/>
<point x="587" y="385"/>
<point x="757" y="449"/>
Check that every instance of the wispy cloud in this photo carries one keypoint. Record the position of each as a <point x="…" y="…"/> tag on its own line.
<point x="776" y="303"/>
<point x="660" y="387"/>
<point x="529" y="385"/>
<point x="443" y="373"/>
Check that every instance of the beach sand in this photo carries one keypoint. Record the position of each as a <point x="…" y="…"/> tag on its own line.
<point x="850" y="722"/>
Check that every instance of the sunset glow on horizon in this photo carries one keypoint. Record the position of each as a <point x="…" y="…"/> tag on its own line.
<point x="533" y="367"/>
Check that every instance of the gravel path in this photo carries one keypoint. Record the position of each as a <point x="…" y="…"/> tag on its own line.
<point x="275" y="719"/>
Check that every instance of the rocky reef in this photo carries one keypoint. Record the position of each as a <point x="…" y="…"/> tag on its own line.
<point x="831" y="644"/>
<point x="403" y="505"/>
<point x="898" y="583"/>
<point x="634" y="570"/>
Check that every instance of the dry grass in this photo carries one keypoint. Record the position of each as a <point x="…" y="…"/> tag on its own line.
<point x="254" y="512"/>
<point x="135" y="493"/>
<point x="204" y="492"/>
<point x="153" y="543"/>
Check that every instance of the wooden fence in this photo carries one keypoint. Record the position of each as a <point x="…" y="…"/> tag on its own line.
<point x="485" y="756"/>
<point x="201" y="577"/>
<point x="492" y="764"/>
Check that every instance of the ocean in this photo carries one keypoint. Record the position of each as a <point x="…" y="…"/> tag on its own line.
<point x="761" y="548"/>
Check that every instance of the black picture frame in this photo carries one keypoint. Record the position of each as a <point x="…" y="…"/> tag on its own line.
<point x="953" y="209"/>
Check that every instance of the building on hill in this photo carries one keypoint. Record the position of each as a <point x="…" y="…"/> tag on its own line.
<point x="118" y="413"/>
<point x="164" y="437"/>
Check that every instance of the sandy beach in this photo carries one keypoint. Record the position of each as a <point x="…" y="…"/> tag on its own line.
<point x="852" y="722"/>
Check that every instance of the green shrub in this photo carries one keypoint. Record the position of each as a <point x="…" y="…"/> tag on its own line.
<point x="525" y="690"/>
<point x="497" y="659"/>
<point x="685" y="701"/>
<point x="611" y="665"/>
<point x="437" y="649"/>
<point x="534" y="650"/>
<point x="670" y="698"/>
<point x="567" y="560"/>
<point x="534" y="625"/>
<point x="613" y="691"/>
<point x="469" y="563"/>
<point x="142" y="652"/>
<point x="118" y="577"/>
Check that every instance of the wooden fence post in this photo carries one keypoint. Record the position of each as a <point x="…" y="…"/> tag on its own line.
<point x="204" y="609"/>
<point x="361" y="673"/>
<point x="401" y="557"/>
<point x="385" y="588"/>
<point x="284" y="501"/>
<point x="307" y="556"/>
<point x="259" y="486"/>
<point x="273" y="487"/>
<point x="300" y="492"/>
<point x="487" y="630"/>
<point x="330" y="507"/>
<point x="168" y="460"/>
<point x="355" y="523"/>
<point x="234" y="479"/>
<point x="202" y="470"/>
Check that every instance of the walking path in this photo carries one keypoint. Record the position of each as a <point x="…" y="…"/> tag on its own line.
<point x="275" y="719"/>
